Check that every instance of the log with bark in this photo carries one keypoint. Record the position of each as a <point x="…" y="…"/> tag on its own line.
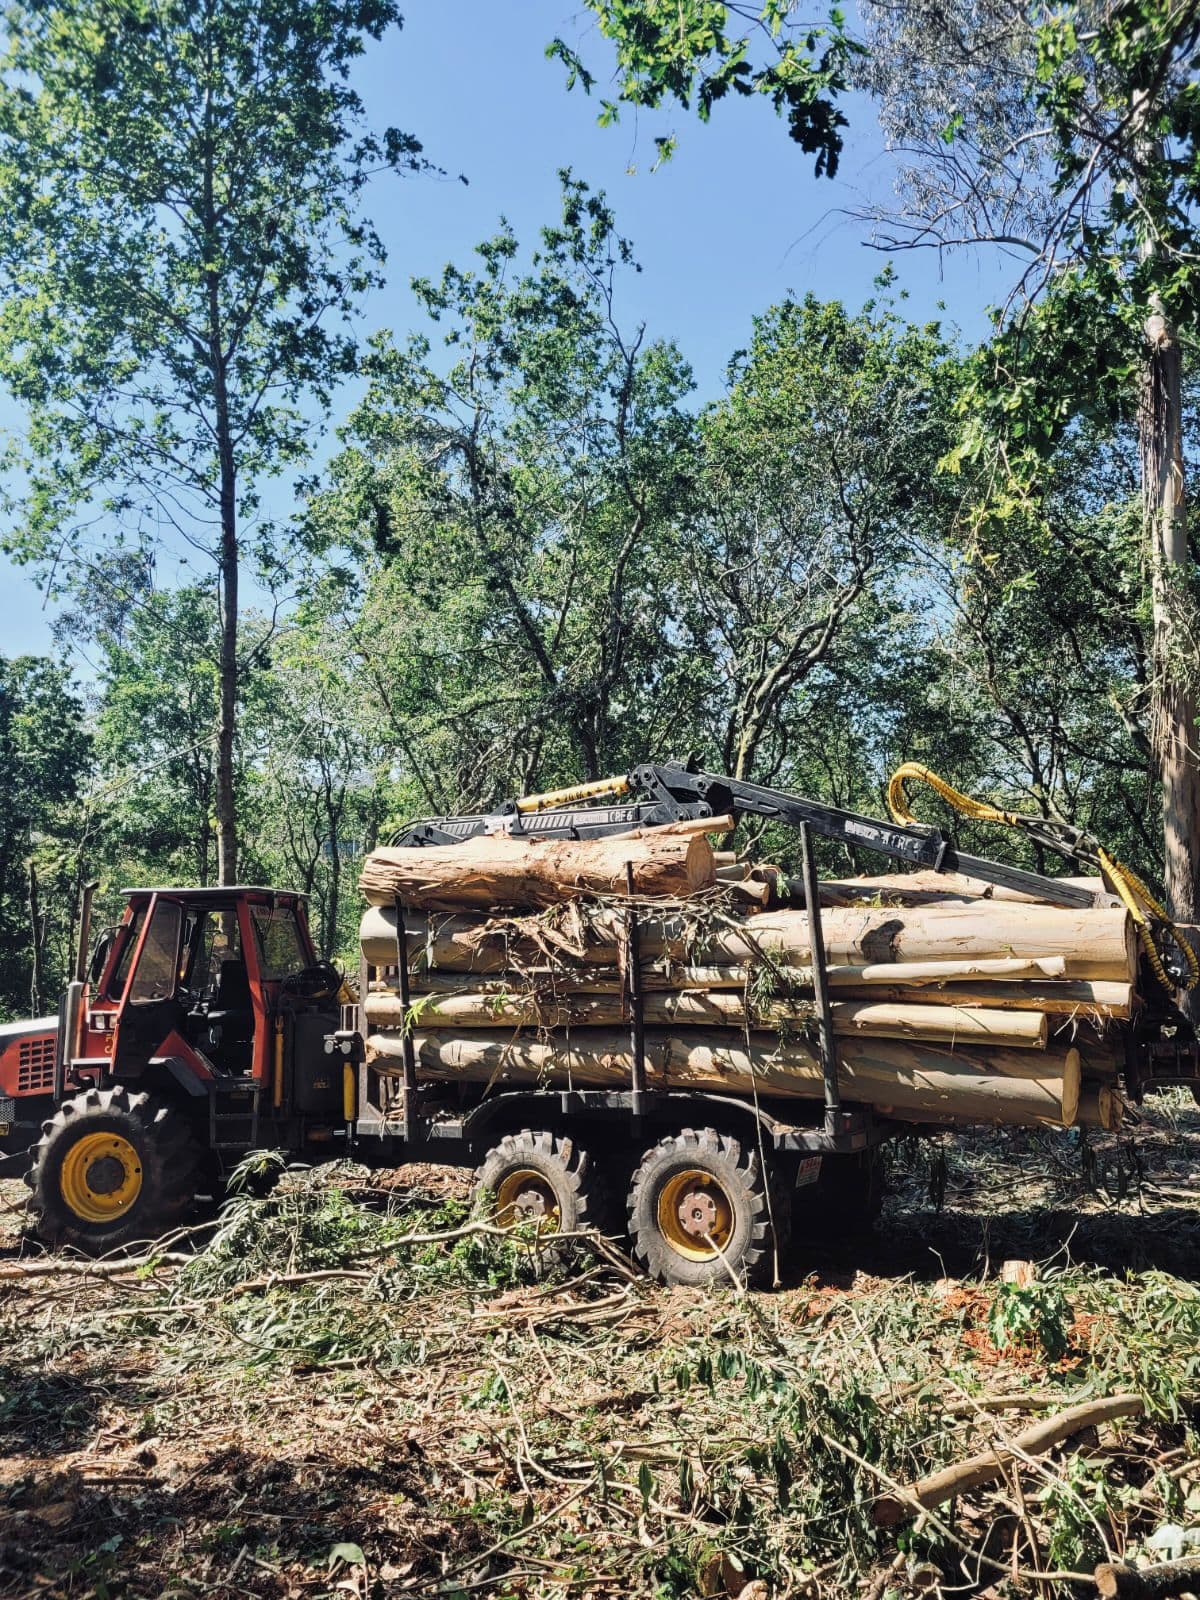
<point x="503" y="870"/>
<point x="1162" y="1580"/>
<point x="913" y="1082"/>
<point x="721" y="1008"/>
<point x="989" y="1465"/>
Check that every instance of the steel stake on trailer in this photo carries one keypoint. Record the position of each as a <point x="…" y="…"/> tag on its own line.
<point x="816" y="939"/>
<point x="407" y="1048"/>
<point x="633" y="981"/>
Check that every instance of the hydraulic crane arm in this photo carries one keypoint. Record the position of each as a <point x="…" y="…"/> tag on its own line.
<point x="659" y="793"/>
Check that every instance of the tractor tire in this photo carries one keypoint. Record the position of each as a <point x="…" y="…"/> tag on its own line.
<point x="700" y="1212"/>
<point x="111" y="1167"/>
<point x="542" y="1178"/>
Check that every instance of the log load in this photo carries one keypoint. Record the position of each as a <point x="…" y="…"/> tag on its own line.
<point x="912" y="1082"/>
<point x="502" y="870"/>
<point x="949" y="1010"/>
<point x="720" y="1007"/>
<point x="1097" y="944"/>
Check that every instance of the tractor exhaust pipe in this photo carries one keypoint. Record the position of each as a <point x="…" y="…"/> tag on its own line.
<point x="83" y="949"/>
<point x="70" y="1012"/>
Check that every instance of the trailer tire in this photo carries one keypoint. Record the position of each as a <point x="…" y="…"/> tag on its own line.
<point x="701" y="1185"/>
<point x="543" y="1178"/>
<point x="111" y="1167"/>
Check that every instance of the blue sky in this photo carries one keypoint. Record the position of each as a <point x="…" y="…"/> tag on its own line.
<point x="730" y="225"/>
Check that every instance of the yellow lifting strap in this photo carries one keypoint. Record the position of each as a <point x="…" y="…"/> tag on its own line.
<point x="1124" y="882"/>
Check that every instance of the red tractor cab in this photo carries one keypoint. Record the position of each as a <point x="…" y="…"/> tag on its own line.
<point x="202" y="1030"/>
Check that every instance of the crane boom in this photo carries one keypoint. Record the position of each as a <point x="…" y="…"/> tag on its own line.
<point x="655" y="794"/>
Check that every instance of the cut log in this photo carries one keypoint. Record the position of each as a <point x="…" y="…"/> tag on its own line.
<point x="1162" y="1580"/>
<point x="1066" y="1001"/>
<point x="1079" y="999"/>
<point x="684" y="828"/>
<point x="1095" y="945"/>
<point x="720" y="1008"/>
<point x="927" y="887"/>
<point x="991" y="1464"/>
<point x="1100" y="1107"/>
<point x="951" y="971"/>
<point x="501" y="870"/>
<point x="752" y="893"/>
<point x="914" y="1082"/>
<point x="452" y="957"/>
<point x="672" y="975"/>
<point x="876" y="1019"/>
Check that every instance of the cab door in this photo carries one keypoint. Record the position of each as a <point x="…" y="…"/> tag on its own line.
<point x="149" y="1007"/>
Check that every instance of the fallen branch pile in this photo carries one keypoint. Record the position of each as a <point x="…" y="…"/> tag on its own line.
<point x="463" y="1412"/>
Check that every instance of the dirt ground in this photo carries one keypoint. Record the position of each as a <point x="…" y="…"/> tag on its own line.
<point x="349" y="1391"/>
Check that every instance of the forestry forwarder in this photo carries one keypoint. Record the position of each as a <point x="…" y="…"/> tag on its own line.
<point x="204" y="1027"/>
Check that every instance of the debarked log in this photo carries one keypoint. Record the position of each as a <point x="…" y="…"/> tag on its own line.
<point x="915" y="1082"/>
<point x="1095" y="944"/>
<point x="926" y="887"/>
<point x="1083" y="999"/>
<point x="729" y="1007"/>
<point x="1070" y="1002"/>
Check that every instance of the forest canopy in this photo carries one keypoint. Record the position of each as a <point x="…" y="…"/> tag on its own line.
<point x="535" y="554"/>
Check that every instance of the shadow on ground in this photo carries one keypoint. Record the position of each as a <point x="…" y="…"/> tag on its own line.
<point x="230" y="1523"/>
<point x="955" y="1244"/>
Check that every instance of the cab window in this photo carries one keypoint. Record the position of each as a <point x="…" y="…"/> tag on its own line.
<point x="157" y="971"/>
<point x="131" y="934"/>
<point x="216" y="941"/>
<point x="277" y="934"/>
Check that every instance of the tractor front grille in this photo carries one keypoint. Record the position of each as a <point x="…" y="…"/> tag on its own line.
<point x="35" y="1065"/>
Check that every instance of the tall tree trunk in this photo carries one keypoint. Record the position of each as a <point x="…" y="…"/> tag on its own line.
<point x="329" y="933"/>
<point x="226" y="725"/>
<point x="37" y="932"/>
<point x="333" y="824"/>
<point x="227" y="550"/>
<point x="1165" y="514"/>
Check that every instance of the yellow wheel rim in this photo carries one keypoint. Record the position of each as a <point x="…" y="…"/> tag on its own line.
<point x="101" y="1176"/>
<point x="695" y="1215"/>
<point x="526" y="1196"/>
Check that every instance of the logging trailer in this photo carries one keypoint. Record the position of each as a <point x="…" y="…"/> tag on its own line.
<point x="203" y="1027"/>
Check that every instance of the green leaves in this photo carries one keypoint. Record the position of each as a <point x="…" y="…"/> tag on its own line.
<point x="514" y="492"/>
<point x="692" y="52"/>
<point x="45" y="756"/>
<point x="185" y="253"/>
<point x="1035" y="1316"/>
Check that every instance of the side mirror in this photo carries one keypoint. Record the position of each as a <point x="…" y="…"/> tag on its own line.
<point x="99" y="957"/>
